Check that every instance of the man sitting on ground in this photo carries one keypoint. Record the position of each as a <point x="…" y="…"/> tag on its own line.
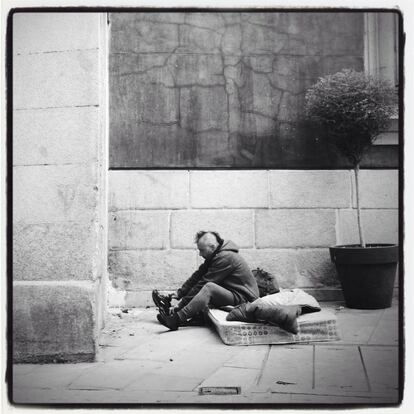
<point x="223" y="279"/>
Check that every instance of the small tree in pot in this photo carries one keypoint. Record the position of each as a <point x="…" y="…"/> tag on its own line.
<point x="352" y="108"/>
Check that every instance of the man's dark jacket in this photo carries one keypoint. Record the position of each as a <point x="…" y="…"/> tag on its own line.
<point x="227" y="269"/>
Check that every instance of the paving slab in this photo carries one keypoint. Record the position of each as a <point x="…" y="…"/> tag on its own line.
<point x="102" y="396"/>
<point x="121" y="343"/>
<point x="193" y="363"/>
<point x="249" y="357"/>
<point x="112" y="375"/>
<point x="357" y="326"/>
<point x="111" y="352"/>
<point x="289" y="368"/>
<point x="386" y="331"/>
<point x="164" y="346"/>
<point x="338" y="368"/>
<point x="160" y="382"/>
<point x="245" y="378"/>
<point x="381" y="364"/>
<point x="140" y="362"/>
<point x="49" y="375"/>
<point x="340" y="399"/>
<point x="261" y="397"/>
<point x="22" y="369"/>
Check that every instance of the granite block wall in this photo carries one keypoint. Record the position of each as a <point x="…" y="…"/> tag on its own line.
<point x="226" y="89"/>
<point x="283" y="221"/>
<point x="59" y="186"/>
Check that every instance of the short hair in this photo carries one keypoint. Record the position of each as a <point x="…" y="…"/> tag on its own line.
<point x="201" y="233"/>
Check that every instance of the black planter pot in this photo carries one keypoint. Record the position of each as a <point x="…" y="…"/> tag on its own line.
<point x="367" y="274"/>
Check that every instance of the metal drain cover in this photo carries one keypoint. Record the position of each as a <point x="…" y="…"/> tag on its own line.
<point x="219" y="390"/>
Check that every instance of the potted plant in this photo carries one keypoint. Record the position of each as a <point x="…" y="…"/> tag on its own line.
<point x="352" y="108"/>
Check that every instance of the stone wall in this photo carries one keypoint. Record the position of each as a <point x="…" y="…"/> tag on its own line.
<point x="59" y="190"/>
<point x="226" y="89"/>
<point x="283" y="221"/>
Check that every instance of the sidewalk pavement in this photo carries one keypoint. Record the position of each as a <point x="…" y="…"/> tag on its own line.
<point x="140" y="362"/>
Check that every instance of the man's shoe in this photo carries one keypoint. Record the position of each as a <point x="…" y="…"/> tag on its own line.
<point x="171" y="322"/>
<point x="162" y="302"/>
<point x="197" y="320"/>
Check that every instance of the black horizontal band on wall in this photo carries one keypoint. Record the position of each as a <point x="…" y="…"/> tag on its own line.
<point x="383" y="157"/>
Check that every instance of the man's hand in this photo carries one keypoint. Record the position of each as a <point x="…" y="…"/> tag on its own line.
<point x="174" y="295"/>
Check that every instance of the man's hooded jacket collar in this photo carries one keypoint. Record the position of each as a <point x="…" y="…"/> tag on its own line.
<point x="228" y="245"/>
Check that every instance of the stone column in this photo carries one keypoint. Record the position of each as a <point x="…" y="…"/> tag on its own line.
<point x="59" y="185"/>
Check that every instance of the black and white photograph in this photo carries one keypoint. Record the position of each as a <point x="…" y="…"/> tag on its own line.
<point x="205" y="207"/>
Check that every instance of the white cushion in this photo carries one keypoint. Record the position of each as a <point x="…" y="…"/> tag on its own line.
<point x="290" y="297"/>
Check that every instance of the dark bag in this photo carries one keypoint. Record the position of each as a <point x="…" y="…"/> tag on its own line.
<point x="266" y="282"/>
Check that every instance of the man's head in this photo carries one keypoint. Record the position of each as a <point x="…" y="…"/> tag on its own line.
<point x="207" y="243"/>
